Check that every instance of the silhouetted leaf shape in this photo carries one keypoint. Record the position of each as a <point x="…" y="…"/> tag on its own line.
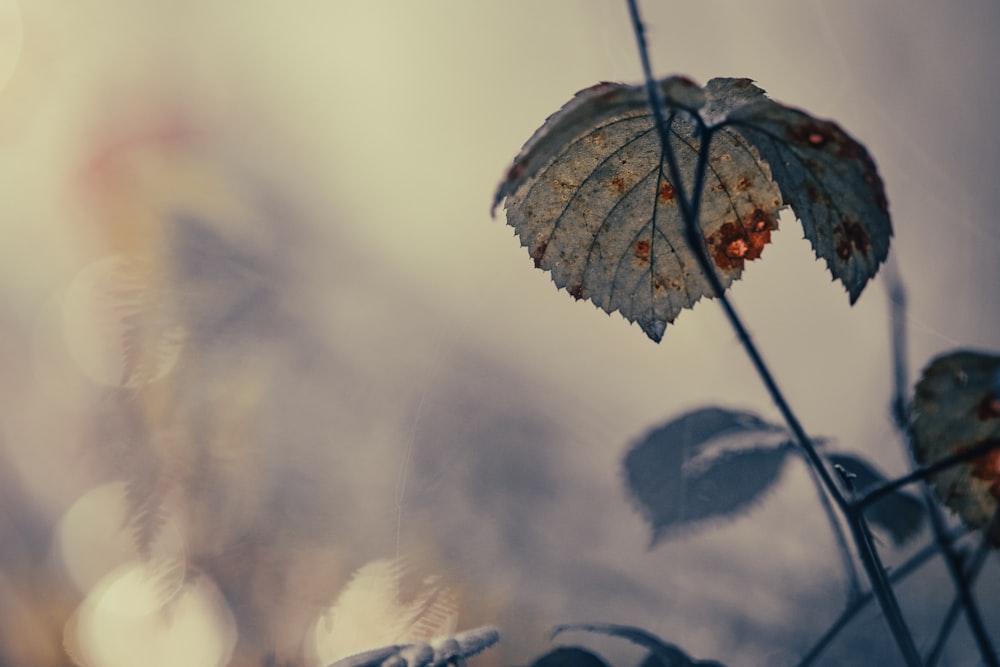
<point x="900" y="514"/>
<point x="675" y="485"/>
<point x="569" y="656"/>
<point x="694" y="429"/>
<point x="590" y="198"/>
<point x="957" y="406"/>
<point x="665" y="653"/>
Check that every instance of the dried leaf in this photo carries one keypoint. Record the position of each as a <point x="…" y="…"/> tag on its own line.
<point x="590" y="198"/>
<point x="900" y="514"/>
<point x="957" y="406"/>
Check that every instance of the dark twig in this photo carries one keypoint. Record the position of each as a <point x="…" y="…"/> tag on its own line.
<point x="854" y="608"/>
<point x="690" y="210"/>
<point x="969" y="578"/>
<point x="897" y="319"/>
<point x="879" y="492"/>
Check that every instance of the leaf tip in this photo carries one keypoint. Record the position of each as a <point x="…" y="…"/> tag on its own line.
<point x="654" y="329"/>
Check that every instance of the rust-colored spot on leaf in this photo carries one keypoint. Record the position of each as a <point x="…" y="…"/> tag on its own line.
<point x="856" y="236"/>
<point x="538" y="253"/>
<point x="577" y="292"/>
<point x="737" y="249"/>
<point x="642" y="250"/>
<point x="666" y="192"/>
<point x="758" y="226"/>
<point x="618" y="183"/>
<point x="987" y="468"/>
<point x="844" y="250"/>
<point x="989" y="407"/>
<point x="809" y="134"/>
<point x="729" y="246"/>
<point x="743" y="184"/>
<point x="759" y="221"/>
<point x="735" y="243"/>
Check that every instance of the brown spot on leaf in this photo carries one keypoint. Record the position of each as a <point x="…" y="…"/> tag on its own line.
<point x="722" y="244"/>
<point x="989" y="407"/>
<point x="743" y="184"/>
<point x="737" y="248"/>
<point x="811" y="192"/>
<point x="642" y="250"/>
<point x="758" y="226"/>
<point x="538" y="253"/>
<point x="844" y="250"/>
<point x="809" y="134"/>
<point x="987" y="468"/>
<point x="666" y="193"/>
<point x="618" y="183"/>
<point x="734" y="243"/>
<point x="759" y="221"/>
<point x="577" y="292"/>
<point x="856" y="235"/>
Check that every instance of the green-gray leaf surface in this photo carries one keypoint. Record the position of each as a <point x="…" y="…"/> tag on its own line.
<point x="957" y="406"/>
<point x="590" y="198"/>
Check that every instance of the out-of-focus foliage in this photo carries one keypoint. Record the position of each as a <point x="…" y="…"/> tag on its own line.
<point x="956" y="405"/>
<point x="443" y="651"/>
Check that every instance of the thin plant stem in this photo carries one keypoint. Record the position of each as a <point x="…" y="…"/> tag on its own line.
<point x="969" y="576"/>
<point x="964" y="600"/>
<point x="898" y="341"/>
<point x="910" y="566"/>
<point x="690" y="210"/>
<point x="879" y="492"/>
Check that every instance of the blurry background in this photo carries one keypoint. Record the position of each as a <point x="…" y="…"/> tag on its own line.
<point x="257" y="328"/>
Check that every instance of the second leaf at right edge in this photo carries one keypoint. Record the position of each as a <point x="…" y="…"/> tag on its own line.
<point x="957" y="406"/>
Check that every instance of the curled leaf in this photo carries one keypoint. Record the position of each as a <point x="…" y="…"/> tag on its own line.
<point x="957" y="406"/>
<point x="590" y="197"/>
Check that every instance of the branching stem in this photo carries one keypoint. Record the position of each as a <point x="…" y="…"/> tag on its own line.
<point x="690" y="208"/>
<point x="879" y="492"/>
